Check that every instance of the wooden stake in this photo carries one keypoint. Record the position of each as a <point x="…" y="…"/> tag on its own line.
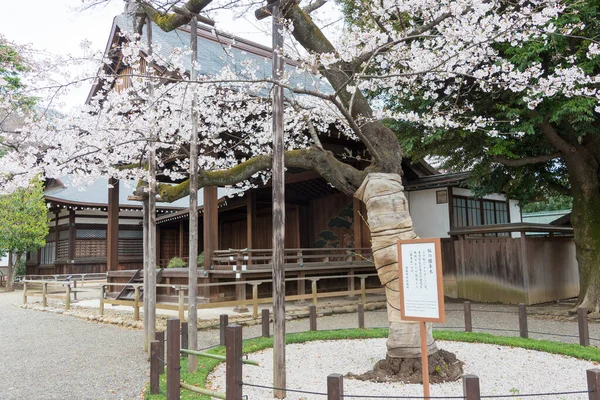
<point x="193" y="246"/>
<point x="582" y="323"/>
<point x="160" y="336"/>
<point x="146" y="225"/>
<point x="468" y="320"/>
<point x="279" y="371"/>
<point x="313" y="317"/>
<point x="154" y="366"/>
<point x="266" y="323"/>
<point x="361" y="315"/>
<point x="523" y="320"/>
<point x="173" y="363"/>
<point x="424" y="359"/>
<point x="223" y="322"/>
<point x="233" y="363"/>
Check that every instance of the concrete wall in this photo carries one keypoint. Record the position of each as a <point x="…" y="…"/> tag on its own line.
<point x="429" y="219"/>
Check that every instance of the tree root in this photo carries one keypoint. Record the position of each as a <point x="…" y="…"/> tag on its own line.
<point x="443" y="367"/>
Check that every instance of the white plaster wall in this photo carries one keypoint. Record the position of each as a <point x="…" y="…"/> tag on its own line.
<point x="429" y="218"/>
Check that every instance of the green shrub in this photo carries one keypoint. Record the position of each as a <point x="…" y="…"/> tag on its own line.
<point x="201" y="259"/>
<point x="176" y="262"/>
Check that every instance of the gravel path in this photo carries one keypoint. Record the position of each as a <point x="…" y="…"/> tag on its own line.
<point x="510" y="373"/>
<point x="49" y="356"/>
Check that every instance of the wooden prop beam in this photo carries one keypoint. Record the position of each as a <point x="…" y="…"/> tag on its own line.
<point x="112" y="229"/>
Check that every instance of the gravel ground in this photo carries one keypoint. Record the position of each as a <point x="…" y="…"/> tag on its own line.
<point x="50" y="356"/>
<point x="510" y="372"/>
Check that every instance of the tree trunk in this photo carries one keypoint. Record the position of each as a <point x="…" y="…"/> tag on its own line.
<point x="585" y="218"/>
<point x="389" y="221"/>
<point x="12" y="272"/>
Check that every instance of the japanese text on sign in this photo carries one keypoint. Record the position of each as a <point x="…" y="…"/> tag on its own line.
<point x="419" y="279"/>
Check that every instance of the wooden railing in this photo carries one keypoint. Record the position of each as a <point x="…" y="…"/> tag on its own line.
<point x="249" y="260"/>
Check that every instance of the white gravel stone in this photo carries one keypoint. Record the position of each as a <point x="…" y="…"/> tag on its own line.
<point x="501" y="371"/>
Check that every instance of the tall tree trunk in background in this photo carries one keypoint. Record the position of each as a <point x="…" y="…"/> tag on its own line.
<point x="389" y="221"/>
<point x="12" y="271"/>
<point x="585" y="218"/>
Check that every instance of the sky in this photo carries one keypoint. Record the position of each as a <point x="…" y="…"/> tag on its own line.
<point x="58" y="27"/>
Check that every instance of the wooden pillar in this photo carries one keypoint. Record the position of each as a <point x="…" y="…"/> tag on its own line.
<point x="158" y="248"/>
<point x="56" y="235"/>
<point x="181" y="255"/>
<point x="112" y="229"/>
<point x="211" y="224"/>
<point x="72" y="235"/>
<point x="525" y="266"/>
<point x="357" y="223"/>
<point x="250" y="220"/>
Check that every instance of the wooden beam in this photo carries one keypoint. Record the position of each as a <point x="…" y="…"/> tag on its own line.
<point x="112" y="229"/>
<point x="211" y="224"/>
<point x="250" y="219"/>
<point x="72" y="235"/>
<point x="181" y="255"/>
<point x="56" y="235"/>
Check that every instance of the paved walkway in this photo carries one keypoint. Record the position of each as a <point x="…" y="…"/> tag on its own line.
<point x="49" y="356"/>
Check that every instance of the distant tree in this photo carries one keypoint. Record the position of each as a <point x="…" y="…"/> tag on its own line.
<point x="23" y="224"/>
<point x="552" y="203"/>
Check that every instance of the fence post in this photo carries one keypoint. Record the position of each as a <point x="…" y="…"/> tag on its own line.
<point x="471" y="387"/>
<point x="361" y="315"/>
<point x="313" y="288"/>
<point x="184" y="336"/>
<point x="181" y="304"/>
<point x="266" y="323"/>
<point x="101" y="309"/>
<point x="468" y="320"/>
<point x="523" y="320"/>
<point x="233" y="362"/>
<point x="593" y="383"/>
<point x="136" y="304"/>
<point x="313" y="317"/>
<point x="25" y="293"/>
<point x="173" y="363"/>
<point x="68" y="297"/>
<point x="75" y="289"/>
<point x="335" y="387"/>
<point x="44" y="293"/>
<point x="254" y="300"/>
<point x="160" y="336"/>
<point x="582" y="322"/>
<point x="154" y="366"/>
<point x="363" y="289"/>
<point x="223" y="322"/>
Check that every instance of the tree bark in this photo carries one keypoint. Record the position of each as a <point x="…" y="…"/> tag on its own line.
<point x="389" y="221"/>
<point x="12" y="272"/>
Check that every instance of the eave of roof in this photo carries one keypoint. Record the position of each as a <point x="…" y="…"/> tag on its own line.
<point x="505" y="228"/>
<point x="435" y="181"/>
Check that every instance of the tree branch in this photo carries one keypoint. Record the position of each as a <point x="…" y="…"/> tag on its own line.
<point x="344" y="177"/>
<point x="526" y="160"/>
<point x="168" y="22"/>
<point x="554" y="138"/>
<point x="314" y="6"/>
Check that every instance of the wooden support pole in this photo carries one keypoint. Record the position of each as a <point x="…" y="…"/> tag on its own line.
<point x="468" y="320"/>
<point x="363" y="289"/>
<point x="72" y="237"/>
<point x="582" y="322"/>
<point x="67" y="296"/>
<point x="173" y="363"/>
<point x="523" y="320"/>
<point x="471" y="387"/>
<point x="160" y="336"/>
<point x="146" y="250"/>
<point x="185" y="336"/>
<point x="424" y="359"/>
<point x="351" y="282"/>
<point x="154" y="366"/>
<point x="361" y="316"/>
<point x="223" y="322"/>
<point x="181" y="305"/>
<point x="101" y="308"/>
<point x="593" y="383"/>
<point x="312" y="309"/>
<point x="335" y="387"/>
<point x="136" y="303"/>
<point x="266" y="323"/>
<point x="250" y="220"/>
<point x="112" y="228"/>
<point x="211" y="225"/>
<point x="254" y="300"/>
<point x="25" y="293"/>
<point x="44" y="294"/>
<point x="75" y="288"/>
<point x="313" y="288"/>
<point x="233" y="363"/>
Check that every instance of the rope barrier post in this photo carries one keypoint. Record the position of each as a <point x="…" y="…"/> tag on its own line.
<point x="468" y="320"/>
<point x="363" y="290"/>
<point x="582" y="322"/>
<point x="361" y="316"/>
<point x="136" y="303"/>
<point x="313" y="288"/>
<point x="223" y="322"/>
<point x="173" y="363"/>
<point x="313" y="317"/>
<point x="593" y="382"/>
<point x="181" y="305"/>
<point x="44" y="294"/>
<point x="154" y="366"/>
<point x="266" y="326"/>
<point x="233" y="362"/>
<point x="471" y="387"/>
<point x="101" y="309"/>
<point x="75" y="289"/>
<point x="160" y="336"/>
<point x="335" y="387"/>
<point x="25" y="293"/>
<point x="184" y="336"/>
<point x="523" y="320"/>
<point x="67" y="297"/>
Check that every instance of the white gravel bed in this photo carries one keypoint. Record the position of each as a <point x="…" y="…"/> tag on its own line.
<point x="501" y="371"/>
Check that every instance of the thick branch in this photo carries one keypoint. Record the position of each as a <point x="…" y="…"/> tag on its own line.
<point x="554" y="138"/>
<point x="526" y="160"/>
<point x="343" y="176"/>
<point x="314" y="6"/>
<point x="170" y="21"/>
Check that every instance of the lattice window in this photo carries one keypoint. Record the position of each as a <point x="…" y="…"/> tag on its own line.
<point x="47" y="253"/>
<point x="90" y="248"/>
<point x="64" y="234"/>
<point x="131" y="234"/>
<point x="63" y="250"/>
<point x="131" y="248"/>
<point x="91" y="233"/>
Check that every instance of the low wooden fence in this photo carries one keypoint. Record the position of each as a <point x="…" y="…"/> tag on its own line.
<point x="231" y="338"/>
